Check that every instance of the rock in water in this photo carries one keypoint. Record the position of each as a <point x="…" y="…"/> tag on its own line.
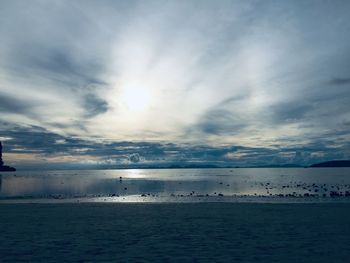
<point x="5" y="168"/>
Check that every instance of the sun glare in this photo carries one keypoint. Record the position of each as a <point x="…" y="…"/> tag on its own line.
<point x="136" y="98"/>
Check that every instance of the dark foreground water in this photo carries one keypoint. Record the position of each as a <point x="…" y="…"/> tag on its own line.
<point x="177" y="232"/>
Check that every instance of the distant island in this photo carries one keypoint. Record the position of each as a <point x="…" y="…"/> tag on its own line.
<point x="192" y="166"/>
<point x="335" y="163"/>
<point x="5" y="168"/>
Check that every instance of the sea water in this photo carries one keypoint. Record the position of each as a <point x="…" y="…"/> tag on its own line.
<point x="178" y="185"/>
<point x="185" y="215"/>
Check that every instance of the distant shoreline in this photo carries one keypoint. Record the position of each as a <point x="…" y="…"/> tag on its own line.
<point x="334" y="163"/>
<point x="330" y="164"/>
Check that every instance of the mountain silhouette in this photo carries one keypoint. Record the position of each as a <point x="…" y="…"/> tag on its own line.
<point x="335" y="163"/>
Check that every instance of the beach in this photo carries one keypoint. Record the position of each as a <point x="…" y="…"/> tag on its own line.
<point x="175" y="232"/>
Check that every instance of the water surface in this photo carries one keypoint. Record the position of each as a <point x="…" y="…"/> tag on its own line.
<point x="177" y="184"/>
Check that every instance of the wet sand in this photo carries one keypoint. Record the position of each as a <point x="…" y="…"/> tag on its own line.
<point x="176" y="232"/>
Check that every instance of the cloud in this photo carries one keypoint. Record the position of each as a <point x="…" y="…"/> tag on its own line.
<point x="340" y="81"/>
<point x="42" y="146"/>
<point x="291" y="111"/>
<point x="56" y="64"/>
<point x="12" y="105"/>
<point x="219" y="74"/>
<point x="94" y="105"/>
<point x="220" y="122"/>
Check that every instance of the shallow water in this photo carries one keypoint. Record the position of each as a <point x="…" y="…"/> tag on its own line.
<point x="178" y="185"/>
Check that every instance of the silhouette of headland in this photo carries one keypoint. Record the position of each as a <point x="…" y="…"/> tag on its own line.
<point x="5" y="168"/>
<point x="335" y="163"/>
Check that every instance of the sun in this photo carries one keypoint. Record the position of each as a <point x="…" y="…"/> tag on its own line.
<point x="135" y="97"/>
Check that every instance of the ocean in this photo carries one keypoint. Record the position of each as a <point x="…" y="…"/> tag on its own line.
<point x="178" y="185"/>
<point x="177" y="215"/>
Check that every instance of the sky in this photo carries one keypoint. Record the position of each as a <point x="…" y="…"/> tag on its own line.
<point x="108" y="83"/>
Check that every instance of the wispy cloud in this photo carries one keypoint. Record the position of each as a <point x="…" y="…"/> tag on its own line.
<point x="242" y="73"/>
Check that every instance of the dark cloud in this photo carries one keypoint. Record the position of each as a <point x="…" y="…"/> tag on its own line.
<point x="340" y="81"/>
<point x="57" y="64"/>
<point x="219" y="121"/>
<point x="9" y="104"/>
<point x="94" y="105"/>
<point x="40" y="142"/>
<point x="290" y="111"/>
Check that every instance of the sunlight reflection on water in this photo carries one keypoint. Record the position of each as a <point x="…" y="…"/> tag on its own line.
<point x="162" y="184"/>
